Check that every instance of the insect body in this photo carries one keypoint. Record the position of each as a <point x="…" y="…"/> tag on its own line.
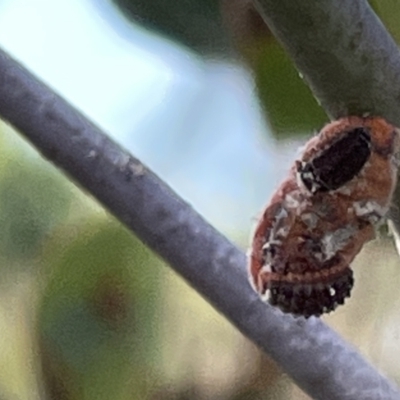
<point x="317" y="221"/>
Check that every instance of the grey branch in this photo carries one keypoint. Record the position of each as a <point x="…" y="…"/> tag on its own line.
<point x="343" y="52"/>
<point x="321" y="362"/>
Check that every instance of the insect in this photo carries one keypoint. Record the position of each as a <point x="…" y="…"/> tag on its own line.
<point x="335" y="195"/>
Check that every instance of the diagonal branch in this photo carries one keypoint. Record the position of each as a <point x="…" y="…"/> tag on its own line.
<point x="311" y="353"/>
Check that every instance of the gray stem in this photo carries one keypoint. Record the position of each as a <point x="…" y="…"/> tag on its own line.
<point x="343" y="52"/>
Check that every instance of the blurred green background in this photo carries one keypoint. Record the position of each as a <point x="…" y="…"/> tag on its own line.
<point x="87" y="312"/>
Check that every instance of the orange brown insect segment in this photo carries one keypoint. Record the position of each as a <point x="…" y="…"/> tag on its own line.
<point x="319" y="218"/>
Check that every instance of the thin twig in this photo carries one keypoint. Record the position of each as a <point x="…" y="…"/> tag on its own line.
<point x="322" y="363"/>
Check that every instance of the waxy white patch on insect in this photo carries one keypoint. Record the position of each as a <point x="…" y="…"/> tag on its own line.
<point x="370" y="210"/>
<point x="333" y="242"/>
<point x="310" y="219"/>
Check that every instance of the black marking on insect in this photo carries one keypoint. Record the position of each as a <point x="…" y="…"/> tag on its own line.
<point x="338" y="163"/>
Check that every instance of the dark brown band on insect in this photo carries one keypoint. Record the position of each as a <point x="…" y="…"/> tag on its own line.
<point x="307" y="278"/>
<point x="307" y="300"/>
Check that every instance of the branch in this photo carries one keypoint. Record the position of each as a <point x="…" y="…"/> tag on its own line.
<point x="311" y="353"/>
<point x="343" y="52"/>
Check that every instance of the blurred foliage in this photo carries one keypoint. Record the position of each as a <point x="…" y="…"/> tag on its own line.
<point x="287" y="101"/>
<point x="194" y="24"/>
<point x="32" y="202"/>
<point x="98" y="315"/>
<point x="290" y="107"/>
<point x="219" y="26"/>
